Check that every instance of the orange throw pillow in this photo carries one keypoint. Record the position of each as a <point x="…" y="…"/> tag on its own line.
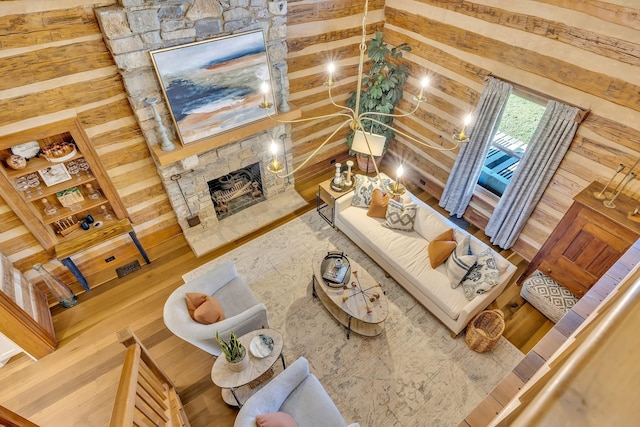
<point x="378" y="205"/>
<point x="441" y="247"/>
<point x="275" y="419"/>
<point x="204" y="308"/>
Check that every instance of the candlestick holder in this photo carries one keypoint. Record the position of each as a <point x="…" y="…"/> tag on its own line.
<point x="601" y="195"/>
<point x="348" y="182"/>
<point x="165" y="142"/>
<point x="609" y="203"/>
<point x="284" y="104"/>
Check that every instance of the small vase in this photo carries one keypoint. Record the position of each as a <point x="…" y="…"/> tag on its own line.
<point x="63" y="294"/>
<point x="240" y="365"/>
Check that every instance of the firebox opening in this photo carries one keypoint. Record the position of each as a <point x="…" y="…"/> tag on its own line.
<point x="236" y="191"/>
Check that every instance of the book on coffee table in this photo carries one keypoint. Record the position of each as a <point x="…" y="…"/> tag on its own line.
<point x="336" y="270"/>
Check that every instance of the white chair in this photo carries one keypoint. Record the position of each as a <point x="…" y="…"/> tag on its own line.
<point x="243" y="313"/>
<point x="297" y="392"/>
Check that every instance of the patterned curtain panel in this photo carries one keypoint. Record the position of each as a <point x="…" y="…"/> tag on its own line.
<point x="540" y="161"/>
<point x="468" y="166"/>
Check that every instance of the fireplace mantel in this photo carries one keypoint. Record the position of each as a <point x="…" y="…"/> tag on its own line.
<point x="183" y="151"/>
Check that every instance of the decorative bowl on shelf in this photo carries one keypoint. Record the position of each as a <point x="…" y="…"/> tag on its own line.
<point x="59" y="151"/>
<point x="16" y="162"/>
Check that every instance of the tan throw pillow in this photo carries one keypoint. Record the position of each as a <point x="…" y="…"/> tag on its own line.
<point x="275" y="419"/>
<point x="204" y="308"/>
<point x="378" y="205"/>
<point x="441" y="247"/>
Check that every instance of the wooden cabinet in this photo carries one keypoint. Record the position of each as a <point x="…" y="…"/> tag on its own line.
<point x="588" y="240"/>
<point x="53" y="195"/>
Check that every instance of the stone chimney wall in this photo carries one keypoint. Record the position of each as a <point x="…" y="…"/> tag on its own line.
<point x="134" y="28"/>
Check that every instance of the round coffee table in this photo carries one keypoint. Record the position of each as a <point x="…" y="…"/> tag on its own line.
<point x="357" y="302"/>
<point x="229" y="381"/>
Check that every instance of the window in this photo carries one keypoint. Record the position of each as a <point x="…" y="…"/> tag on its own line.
<point x="519" y="121"/>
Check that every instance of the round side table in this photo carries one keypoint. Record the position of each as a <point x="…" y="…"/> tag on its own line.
<point x="229" y="381"/>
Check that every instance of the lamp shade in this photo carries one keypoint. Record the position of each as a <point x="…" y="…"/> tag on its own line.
<point x="375" y="146"/>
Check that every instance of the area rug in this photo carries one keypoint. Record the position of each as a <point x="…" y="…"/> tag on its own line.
<point x="413" y="374"/>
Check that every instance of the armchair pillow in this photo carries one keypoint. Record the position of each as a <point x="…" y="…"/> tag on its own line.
<point x="482" y="277"/>
<point x="204" y="308"/>
<point x="378" y="206"/>
<point x="399" y="216"/>
<point x="460" y="262"/>
<point x="441" y="247"/>
<point x="275" y="419"/>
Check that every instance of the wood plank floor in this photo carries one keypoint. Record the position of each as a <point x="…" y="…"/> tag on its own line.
<point x="75" y="385"/>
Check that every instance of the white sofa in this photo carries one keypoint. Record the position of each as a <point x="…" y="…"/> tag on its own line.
<point x="404" y="256"/>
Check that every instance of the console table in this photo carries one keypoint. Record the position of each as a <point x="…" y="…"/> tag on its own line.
<point x="67" y="248"/>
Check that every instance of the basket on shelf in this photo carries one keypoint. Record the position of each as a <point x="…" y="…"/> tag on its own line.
<point x="485" y="330"/>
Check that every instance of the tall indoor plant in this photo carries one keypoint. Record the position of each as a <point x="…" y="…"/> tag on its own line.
<point x="382" y="86"/>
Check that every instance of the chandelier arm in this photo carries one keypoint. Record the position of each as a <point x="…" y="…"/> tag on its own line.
<point x="395" y="116"/>
<point x="363" y="49"/>
<point x="314" y="151"/>
<point x="342" y="107"/>
<point x="308" y="119"/>
<point x="434" y="147"/>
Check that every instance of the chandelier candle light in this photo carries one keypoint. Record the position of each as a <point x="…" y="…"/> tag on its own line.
<point x="354" y="118"/>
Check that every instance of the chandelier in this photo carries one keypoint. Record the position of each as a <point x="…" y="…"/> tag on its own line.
<point x="369" y="144"/>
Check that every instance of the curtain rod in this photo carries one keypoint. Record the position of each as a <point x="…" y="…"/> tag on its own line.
<point x="580" y="115"/>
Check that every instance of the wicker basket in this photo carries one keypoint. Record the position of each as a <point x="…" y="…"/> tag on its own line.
<point x="485" y="330"/>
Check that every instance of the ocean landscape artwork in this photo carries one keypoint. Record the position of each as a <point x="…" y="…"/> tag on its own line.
<point x="215" y="85"/>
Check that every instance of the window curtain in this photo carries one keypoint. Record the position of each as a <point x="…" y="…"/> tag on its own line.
<point x="468" y="166"/>
<point x="540" y="161"/>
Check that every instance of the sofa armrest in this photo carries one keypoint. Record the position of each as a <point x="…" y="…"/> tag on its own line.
<point x="271" y="397"/>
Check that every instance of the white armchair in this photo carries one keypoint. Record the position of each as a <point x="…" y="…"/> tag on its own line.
<point x="243" y="313"/>
<point x="297" y="392"/>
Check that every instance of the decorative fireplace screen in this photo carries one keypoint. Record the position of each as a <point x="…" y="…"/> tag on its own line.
<point x="236" y="191"/>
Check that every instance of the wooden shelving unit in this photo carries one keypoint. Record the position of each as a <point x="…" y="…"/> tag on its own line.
<point x="48" y="229"/>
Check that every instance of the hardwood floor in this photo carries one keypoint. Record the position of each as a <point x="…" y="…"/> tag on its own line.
<point x="75" y="385"/>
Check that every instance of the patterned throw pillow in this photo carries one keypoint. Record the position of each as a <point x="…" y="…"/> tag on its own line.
<point x="364" y="189"/>
<point x="460" y="262"/>
<point x="482" y="277"/>
<point x="399" y="216"/>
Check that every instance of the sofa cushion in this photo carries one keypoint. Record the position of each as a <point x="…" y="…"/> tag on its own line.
<point x="399" y="216"/>
<point x="204" y="308"/>
<point x="275" y="419"/>
<point x="482" y="277"/>
<point x="430" y="224"/>
<point x="441" y="247"/>
<point x="460" y="262"/>
<point x="364" y="189"/>
<point x="378" y="206"/>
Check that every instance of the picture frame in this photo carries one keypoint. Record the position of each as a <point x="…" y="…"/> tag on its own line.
<point x="214" y="86"/>
<point x="54" y="174"/>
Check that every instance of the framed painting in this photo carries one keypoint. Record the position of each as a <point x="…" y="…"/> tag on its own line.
<point x="214" y="86"/>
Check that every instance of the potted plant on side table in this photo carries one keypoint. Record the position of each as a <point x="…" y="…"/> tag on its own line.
<point x="381" y="89"/>
<point x="234" y="351"/>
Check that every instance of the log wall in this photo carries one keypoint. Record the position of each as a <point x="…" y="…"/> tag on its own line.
<point x="581" y="53"/>
<point x="55" y="65"/>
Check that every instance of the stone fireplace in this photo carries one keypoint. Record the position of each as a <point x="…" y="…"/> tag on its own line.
<point x="136" y="27"/>
<point x="236" y="191"/>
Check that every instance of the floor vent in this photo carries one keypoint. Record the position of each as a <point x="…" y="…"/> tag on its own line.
<point x="128" y="268"/>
